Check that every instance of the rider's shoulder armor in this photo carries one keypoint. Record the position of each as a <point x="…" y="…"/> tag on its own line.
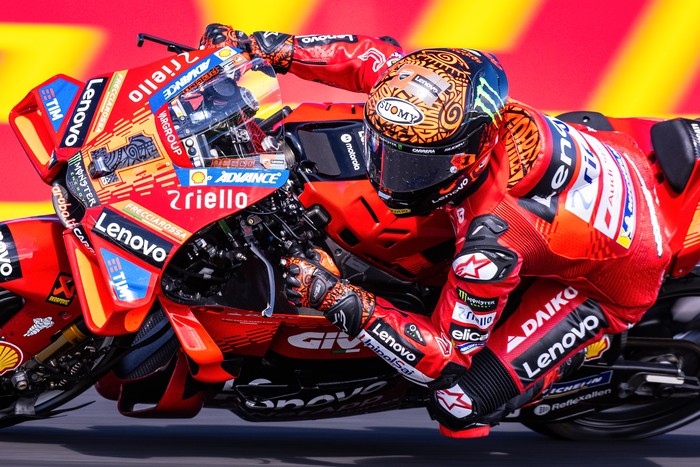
<point x="521" y="134"/>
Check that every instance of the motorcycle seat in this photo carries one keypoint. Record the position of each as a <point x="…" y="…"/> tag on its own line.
<point x="676" y="144"/>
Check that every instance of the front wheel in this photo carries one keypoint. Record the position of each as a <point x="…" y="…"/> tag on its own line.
<point x="53" y="377"/>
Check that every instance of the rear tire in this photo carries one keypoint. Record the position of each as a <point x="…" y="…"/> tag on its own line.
<point x="628" y="422"/>
<point x="652" y="417"/>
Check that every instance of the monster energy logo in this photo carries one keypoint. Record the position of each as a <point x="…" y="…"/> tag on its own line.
<point x="487" y="99"/>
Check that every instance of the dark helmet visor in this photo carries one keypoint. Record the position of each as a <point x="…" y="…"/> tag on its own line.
<point x="401" y="168"/>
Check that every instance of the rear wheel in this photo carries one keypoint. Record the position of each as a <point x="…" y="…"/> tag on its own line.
<point x="663" y="336"/>
<point x="624" y="422"/>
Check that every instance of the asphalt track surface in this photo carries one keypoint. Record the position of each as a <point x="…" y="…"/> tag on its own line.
<point x="98" y="436"/>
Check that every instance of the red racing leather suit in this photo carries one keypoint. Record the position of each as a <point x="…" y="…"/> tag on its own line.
<point x="565" y="213"/>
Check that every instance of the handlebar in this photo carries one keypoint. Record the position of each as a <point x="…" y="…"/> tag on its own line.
<point x="172" y="46"/>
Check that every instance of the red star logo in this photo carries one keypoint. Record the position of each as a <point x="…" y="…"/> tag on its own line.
<point x="471" y="268"/>
<point x="451" y="399"/>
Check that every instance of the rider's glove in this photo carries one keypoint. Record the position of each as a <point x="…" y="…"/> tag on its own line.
<point x="314" y="282"/>
<point x="275" y="47"/>
<point x="219" y="35"/>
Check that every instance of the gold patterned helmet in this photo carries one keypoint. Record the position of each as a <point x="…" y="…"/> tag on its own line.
<point x="430" y="124"/>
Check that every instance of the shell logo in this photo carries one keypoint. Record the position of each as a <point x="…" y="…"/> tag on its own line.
<point x="198" y="177"/>
<point x="10" y="357"/>
<point x="597" y="349"/>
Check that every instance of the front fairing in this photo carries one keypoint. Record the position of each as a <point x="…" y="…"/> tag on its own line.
<point x="135" y="188"/>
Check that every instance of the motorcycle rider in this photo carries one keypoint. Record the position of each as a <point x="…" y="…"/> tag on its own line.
<point x="562" y="212"/>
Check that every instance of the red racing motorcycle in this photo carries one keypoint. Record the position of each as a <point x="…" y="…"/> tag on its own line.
<point x="178" y="187"/>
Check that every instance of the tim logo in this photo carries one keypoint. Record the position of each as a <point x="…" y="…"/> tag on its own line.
<point x="63" y="290"/>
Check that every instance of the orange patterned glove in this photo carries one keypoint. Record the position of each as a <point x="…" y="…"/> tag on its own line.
<point x="277" y="48"/>
<point x="314" y="283"/>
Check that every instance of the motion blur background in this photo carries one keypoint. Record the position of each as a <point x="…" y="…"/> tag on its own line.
<point x="622" y="57"/>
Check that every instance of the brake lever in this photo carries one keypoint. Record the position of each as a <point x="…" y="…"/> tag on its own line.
<point x="250" y="241"/>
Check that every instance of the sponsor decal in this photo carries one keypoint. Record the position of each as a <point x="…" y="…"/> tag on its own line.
<point x="395" y="351"/>
<point x="79" y="183"/>
<point x="469" y="347"/>
<point x="597" y="349"/>
<point x="399" y="111"/>
<point x="318" y="400"/>
<point x="629" y="205"/>
<point x="128" y="281"/>
<point x="541" y="316"/>
<point x="582" y="198"/>
<point x="39" y="325"/>
<point x="445" y="345"/>
<point x="63" y="290"/>
<point x="9" y="258"/>
<point x="543" y="200"/>
<point x="198" y="177"/>
<point x="428" y="88"/>
<point x="153" y="220"/>
<point x="167" y="133"/>
<point x="336" y="342"/>
<point x="569" y="387"/>
<point x="237" y="163"/>
<point x="393" y="342"/>
<point x="487" y="100"/>
<point x="165" y="73"/>
<point x="393" y="58"/>
<point x="217" y="199"/>
<point x="347" y="139"/>
<point x="132" y="238"/>
<point x="603" y="170"/>
<point x="377" y="57"/>
<point x="56" y="99"/>
<point x="564" y="338"/>
<point x="65" y="210"/>
<point x="454" y="401"/>
<point x="412" y="331"/>
<point x="10" y="357"/>
<point x="398" y="212"/>
<point x="140" y="148"/>
<point x="477" y="303"/>
<point x="83" y="238"/>
<point x="166" y="92"/>
<point x="465" y="315"/>
<point x="610" y="206"/>
<point x="544" y="409"/>
<point x="324" y="39"/>
<point x="267" y="178"/>
<point x="113" y="89"/>
<point x="79" y="122"/>
<point x="475" y="267"/>
<point x="467" y="334"/>
<point x="420" y="82"/>
<point x="232" y="177"/>
<point x="454" y="189"/>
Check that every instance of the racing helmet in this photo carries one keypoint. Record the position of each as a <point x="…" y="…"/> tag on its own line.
<point x="431" y="122"/>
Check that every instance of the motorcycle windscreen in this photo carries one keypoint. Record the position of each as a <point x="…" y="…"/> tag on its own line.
<point x="226" y="116"/>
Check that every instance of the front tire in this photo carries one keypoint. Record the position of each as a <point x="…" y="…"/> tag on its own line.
<point x="64" y="376"/>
